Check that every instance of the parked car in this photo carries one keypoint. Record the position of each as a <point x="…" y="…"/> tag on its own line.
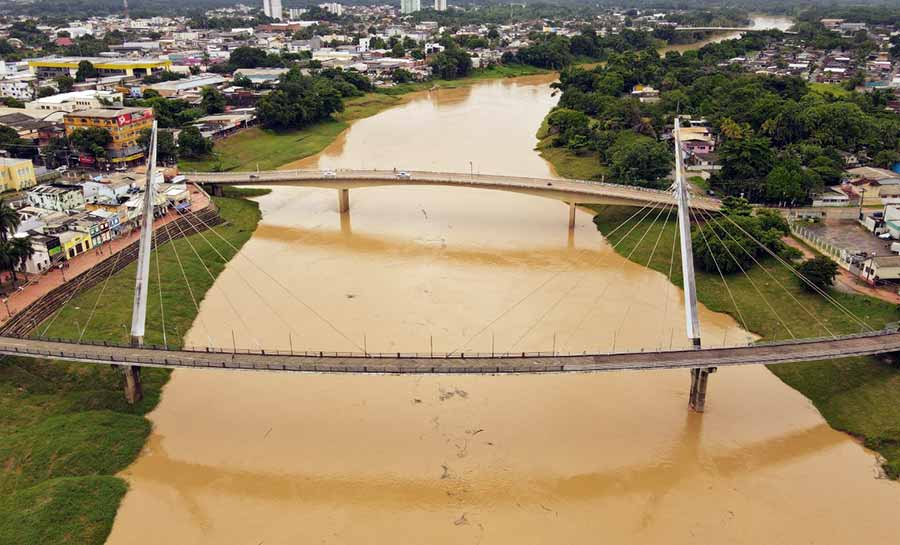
<point x="404" y="175"/>
<point x="329" y="174"/>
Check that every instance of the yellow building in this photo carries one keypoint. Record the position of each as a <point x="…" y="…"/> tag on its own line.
<point x="51" y="67"/>
<point x="16" y="174"/>
<point x="124" y="124"/>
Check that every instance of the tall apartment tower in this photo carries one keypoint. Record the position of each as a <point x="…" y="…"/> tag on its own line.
<point x="409" y="6"/>
<point x="272" y="8"/>
<point x="440" y="5"/>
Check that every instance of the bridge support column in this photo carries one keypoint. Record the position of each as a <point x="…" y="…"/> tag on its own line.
<point x="134" y="391"/>
<point x="215" y="190"/>
<point x="571" y="216"/>
<point x="343" y="200"/>
<point x="699" y="381"/>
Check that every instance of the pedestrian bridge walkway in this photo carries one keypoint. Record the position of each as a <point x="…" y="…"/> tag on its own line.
<point x="868" y="344"/>
<point x="571" y="191"/>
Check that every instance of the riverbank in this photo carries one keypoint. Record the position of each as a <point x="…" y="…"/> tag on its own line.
<point x="65" y="428"/>
<point x="860" y="396"/>
<point x="267" y="149"/>
<point x="567" y="163"/>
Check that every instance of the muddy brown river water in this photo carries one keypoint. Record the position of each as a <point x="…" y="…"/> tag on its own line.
<point x="246" y="458"/>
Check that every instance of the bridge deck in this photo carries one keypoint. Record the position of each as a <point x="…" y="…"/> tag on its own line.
<point x="579" y="191"/>
<point x="773" y="353"/>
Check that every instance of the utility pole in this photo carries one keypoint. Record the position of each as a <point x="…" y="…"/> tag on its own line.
<point x="699" y="377"/>
<point x="133" y="390"/>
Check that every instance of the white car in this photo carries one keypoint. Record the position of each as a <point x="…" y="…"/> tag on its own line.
<point x="404" y="175"/>
<point x="329" y="174"/>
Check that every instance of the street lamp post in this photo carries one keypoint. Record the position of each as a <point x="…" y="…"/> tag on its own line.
<point x="471" y="169"/>
<point x="6" y="304"/>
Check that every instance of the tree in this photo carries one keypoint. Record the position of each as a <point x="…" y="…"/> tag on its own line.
<point x="91" y="141"/>
<point x="789" y="182"/>
<point x="249" y="57"/>
<point x="64" y="83"/>
<point x="299" y="100"/>
<point x="736" y="206"/>
<point x="887" y="158"/>
<point x="10" y="141"/>
<point x="9" y="220"/>
<point x="16" y="252"/>
<point x="639" y="160"/>
<point x="820" y="271"/>
<point x="212" y="101"/>
<point x="451" y="64"/>
<point x="401" y="75"/>
<point x="192" y="144"/>
<point x="166" y="148"/>
<point x="86" y="71"/>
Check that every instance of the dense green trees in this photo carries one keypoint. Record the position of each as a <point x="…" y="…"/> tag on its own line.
<point x="91" y="141"/>
<point x="735" y="241"/>
<point x="639" y="160"/>
<point x="86" y="71"/>
<point x="192" y="144"/>
<point x="212" y="101"/>
<point x="298" y="101"/>
<point x="14" y="251"/>
<point x="820" y="271"/>
<point x="451" y="63"/>
<point x="778" y="140"/>
<point x="166" y="148"/>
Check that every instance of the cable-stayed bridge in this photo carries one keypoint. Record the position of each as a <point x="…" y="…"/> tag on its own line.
<point x="688" y="210"/>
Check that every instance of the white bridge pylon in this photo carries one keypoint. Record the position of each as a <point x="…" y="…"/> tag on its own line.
<point x="699" y="377"/>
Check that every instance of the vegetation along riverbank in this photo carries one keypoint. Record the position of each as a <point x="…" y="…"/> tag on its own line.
<point x="65" y="428"/>
<point x="860" y="396"/>
<point x="268" y="148"/>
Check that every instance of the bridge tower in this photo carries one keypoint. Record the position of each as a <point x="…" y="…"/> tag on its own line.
<point x="699" y="377"/>
<point x="133" y="390"/>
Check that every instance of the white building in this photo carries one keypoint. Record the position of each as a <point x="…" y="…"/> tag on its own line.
<point x="18" y="87"/>
<point x="333" y="8"/>
<point x="296" y="13"/>
<point x="272" y="8"/>
<point x="440" y="5"/>
<point x="59" y="198"/>
<point x="69" y="102"/>
<point x="410" y="6"/>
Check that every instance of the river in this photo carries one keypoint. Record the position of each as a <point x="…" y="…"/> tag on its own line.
<point x="246" y="458"/>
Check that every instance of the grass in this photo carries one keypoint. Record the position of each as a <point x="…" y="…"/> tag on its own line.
<point x="567" y="163"/>
<point x="65" y="428"/>
<point x="268" y="149"/>
<point x="829" y="89"/>
<point x="860" y="396"/>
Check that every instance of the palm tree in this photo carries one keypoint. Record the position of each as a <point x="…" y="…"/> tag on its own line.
<point x="21" y="250"/>
<point x="9" y="220"/>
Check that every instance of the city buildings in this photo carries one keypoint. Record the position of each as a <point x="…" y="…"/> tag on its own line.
<point x="440" y="5"/>
<point x="333" y="8"/>
<point x="410" y="6"/>
<point x="272" y="8"/>
<point x="124" y="124"/>
<point x="58" y="197"/>
<point x="51" y="67"/>
<point x="16" y="174"/>
<point x="69" y="102"/>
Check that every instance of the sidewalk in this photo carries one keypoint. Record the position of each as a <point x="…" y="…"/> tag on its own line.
<point x="40" y="285"/>
<point x="848" y="283"/>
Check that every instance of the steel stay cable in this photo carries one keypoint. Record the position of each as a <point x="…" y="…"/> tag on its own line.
<point x="552" y="277"/>
<point x="802" y="277"/>
<point x="245" y="281"/>
<point x="721" y="275"/>
<point x="770" y="275"/>
<point x="659" y="237"/>
<point x="188" y="285"/>
<point x="641" y="240"/>
<point x="752" y="283"/>
<point x="84" y="277"/>
<point x="162" y="312"/>
<point x="213" y="279"/>
<point x="100" y="295"/>
<point x="608" y="283"/>
<point x="280" y="284"/>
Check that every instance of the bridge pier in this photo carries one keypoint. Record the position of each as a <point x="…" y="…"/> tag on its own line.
<point x="343" y="200"/>
<point x="571" y="216"/>
<point x="699" y="381"/>
<point x="216" y="190"/>
<point x="134" y="391"/>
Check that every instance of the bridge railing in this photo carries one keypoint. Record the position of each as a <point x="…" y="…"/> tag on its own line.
<point x="461" y="356"/>
<point x="420" y="175"/>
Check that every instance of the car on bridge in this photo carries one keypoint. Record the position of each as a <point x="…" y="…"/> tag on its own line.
<point x="404" y="175"/>
<point x="329" y="174"/>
